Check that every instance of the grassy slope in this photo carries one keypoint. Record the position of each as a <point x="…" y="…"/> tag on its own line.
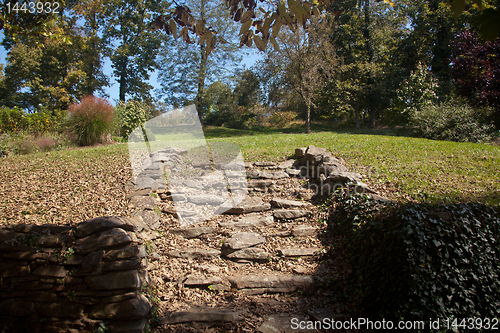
<point x="402" y="167"/>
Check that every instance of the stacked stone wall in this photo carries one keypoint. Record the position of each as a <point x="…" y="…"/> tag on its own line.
<point x="73" y="279"/>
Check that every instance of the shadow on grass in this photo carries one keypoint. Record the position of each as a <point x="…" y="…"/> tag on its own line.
<point x="212" y="132"/>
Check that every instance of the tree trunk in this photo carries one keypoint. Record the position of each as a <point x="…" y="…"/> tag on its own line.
<point x="308" y="119"/>
<point x="202" y="70"/>
<point x="369" y="50"/>
<point x="91" y="71"/>
<point x="356" y="115"/>
<point x="123" y="79"/>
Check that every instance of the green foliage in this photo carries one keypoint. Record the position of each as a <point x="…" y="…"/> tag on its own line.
<point x="90" y="119"/>
<point x="451" y="121"/>
<point x="50" y="75"/>
<point x="129" y="116"/>
<point x="420" y="261"/>
<point x="11" y="119"/>
<point x="414" y="93"/>
<point x="281" y="119"/>
<point x="43" y="121"/>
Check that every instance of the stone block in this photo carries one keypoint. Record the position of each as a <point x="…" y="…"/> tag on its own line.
<point x="124" y="253"/>
<point x="242" y="240"/>
<point x="115" y="280"/>
<point x="61" y="310"/>
<point x="52" y="271"/>
<point x="109" y="238"/>
<point x="99" y="224"/>
<point x="135" y="308"/>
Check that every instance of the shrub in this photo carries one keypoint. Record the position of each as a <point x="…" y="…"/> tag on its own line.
<point x="11" y="120"/>
<point x="129" y="116"/>
<point x="281" y="119"/>
<point x="25" y="143"/>
<point x="91" y="118"/>
<point x="416" y="261"/>
<point x="42" y="121"/>
<point x="451" y="121"/>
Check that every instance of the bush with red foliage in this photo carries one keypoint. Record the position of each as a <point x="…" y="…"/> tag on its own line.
<point x="91" y="118"/>
<point x="476" y="70"/>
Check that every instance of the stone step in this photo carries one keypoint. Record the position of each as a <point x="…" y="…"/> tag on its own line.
<point x="203" y="315"/>
<point x="260" y="284"/>
<point x="298" y="252"/>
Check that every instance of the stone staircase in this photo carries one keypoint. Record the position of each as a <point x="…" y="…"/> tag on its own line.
<point x="256" y="267"/>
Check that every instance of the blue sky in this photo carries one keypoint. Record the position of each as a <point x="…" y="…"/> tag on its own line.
<point x="112" y="91"/>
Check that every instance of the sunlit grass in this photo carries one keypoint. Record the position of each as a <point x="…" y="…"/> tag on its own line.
<point x="417" y="169"/>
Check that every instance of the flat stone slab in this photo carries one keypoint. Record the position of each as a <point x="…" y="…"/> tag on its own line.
<point x="109" y="238"/>
<point x="252" y="254"/>
<point x="344" y="177"/>
<point x="293" y="172"/>
<point x="304" y="231"/>
<point x="284" y="203"/>
<point x="273" y="175"/>
<point x="144" y="192"/>
<point x="189" y="253"/>
<point x="287" y="164"/>
<point x="260" y="183"/>
<point x="195" y="280"/>
<point x="99" y="224"/>
<point x="242" y="240"/>
<point x="249" y="205"/>
<point x="115" y="280"/>
<point x="149" y="217"/>
<point x="208" y="268"/>
<point x="289" y="214"/>
<point x="272" y="283"/>
<point x="202" y="315"/>
<point x="264" y="164"/>
<point x="142" y="202"/>
<point x="206" y="199"/>
<point x="192" y="232"/>
<point x="251" y="220"/>
<point x="298" y="252"/>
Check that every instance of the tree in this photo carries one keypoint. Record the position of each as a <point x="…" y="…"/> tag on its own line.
<point x="418" y="91"/>
<point x="93" y="47"/>
<point x="365" y="36"/>
<point x="476" y="70"/>
<point x="135" y="55"/>
<point x="186" y="68"/>
<point x="51" y="76"/>
<point x="308" y="60"/>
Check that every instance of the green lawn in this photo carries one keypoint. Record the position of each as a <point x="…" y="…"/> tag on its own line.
<point x="405" y="168"/>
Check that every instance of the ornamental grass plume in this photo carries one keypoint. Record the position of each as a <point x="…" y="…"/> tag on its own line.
<point x="90" y="119"/>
